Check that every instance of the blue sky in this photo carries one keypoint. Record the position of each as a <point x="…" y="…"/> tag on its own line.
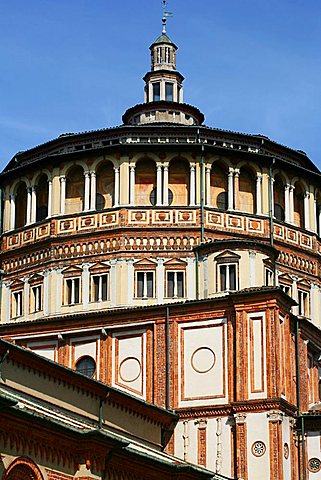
<point x="76" y="65"/>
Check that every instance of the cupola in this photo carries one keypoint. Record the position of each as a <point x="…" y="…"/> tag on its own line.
<point x="163" y="92"/>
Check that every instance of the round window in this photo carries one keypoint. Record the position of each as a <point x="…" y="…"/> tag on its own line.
<point x="314" y="465"/>
<point x="258" y="448"/>
<point x="87" y="366"/>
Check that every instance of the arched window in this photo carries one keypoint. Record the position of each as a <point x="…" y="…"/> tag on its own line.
<point x="105" y="186"/>
<point x="298" y="205"/>
<point x="21" y="206"/>
<point x="87" y="366"/>
<point x="218" y="187"/>
<point x="247" y="191"/>
<point x="178" y="181"/>
<point x="145" y="182"/>
<point x="75" y="186"/>
<point x="278" y="194"/>
<point x="42" y="198"/>
<point x="22" y="468"/>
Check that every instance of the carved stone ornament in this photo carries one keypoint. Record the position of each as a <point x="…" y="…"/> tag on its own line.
<point x="240" y="418"/>
<point x="258" y="448"/>
<point x="275" y="416"/>
<point x="314" y="465"/>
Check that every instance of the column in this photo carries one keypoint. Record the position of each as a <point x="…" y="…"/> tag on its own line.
<point x="291" y="203"/>
<point x="230" y="187"/>
<point x="252" y="268"/>
<point x="25" y="311"/>
<point x="287" y="203"/>
<point x="272" y="197"/>
<point x="113" y="282"/>
<point x="315" y="222"/>
<point x="116" y="194"/>
<point x="85" y="285"/>
<point x="33" y="205"/>
<point x="319" y="221"/>
<point x="208" y="185"/>
<point x="205" y="278"/>
<point x="160" y="280"/>
<point x="162" y="90"/>
<point x="295" y="295"/>
<point x="28" y="220"/>
<point x="132" y="184"/>
<point x="6" y="286"/>
<point x="59" y="286"/>
<point x="190" y="281"/>
<point x="314" y="306"/>
<point x="241" y="446"/>
<point x="12" y="210"/>
<point x="165" y="186"/>
<point x="45" y="293"/>
<point x="236" y="188"/>
<point x="192" y="186"/>
<point x="62" y="194"/>
<point x="145" y="286"/>
<point x="131" y="282"/>
<point x="49" y="198"/>
<point x="306" y="211"/>
<point x="158" y="184"/>
<point x="87" y="191"/>
<point x="276" y="444"/>
<point x="259" y="194"/>
<point x="93" y="191"/>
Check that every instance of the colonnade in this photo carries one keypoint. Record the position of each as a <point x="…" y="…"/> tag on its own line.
<point x="122" y="189"/>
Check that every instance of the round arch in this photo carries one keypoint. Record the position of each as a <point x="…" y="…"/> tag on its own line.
<point x="22" y="468"/>
<point x="250" y="166"/>
<point x="150" y="156"/>
<point x="101" y="160"/>
<point x="79" y="163"/>
<point x="145" y="181"/>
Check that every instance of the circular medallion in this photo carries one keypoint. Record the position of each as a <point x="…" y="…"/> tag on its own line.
<point x="314" y="465"/>
<point x="203" y="360"/>
<point x="286" y="451"/>
<point x="130" y="369"/>
<point x="258" y="448"/>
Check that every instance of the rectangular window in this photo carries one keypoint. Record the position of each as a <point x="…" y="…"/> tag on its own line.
<point x="286" y="289"/>
<point x="175" y="284"/>
<point x="156" y="92"/>
<point x="73" y="290"/>
<point x="37" y="298"/>
<point x="145" y="284"/>
<point x="169" y="88"/>
<point x="303" y="301"/>
<point x="227" y="277"/>
<point x="268" y="277"/>
<point x="17" y="304"/>
<point x="100" y="288"/>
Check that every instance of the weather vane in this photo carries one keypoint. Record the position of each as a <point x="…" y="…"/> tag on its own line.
<point x="165" y="16"/>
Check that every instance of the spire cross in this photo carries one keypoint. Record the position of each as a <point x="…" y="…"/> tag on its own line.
<point x="165" y="16"/>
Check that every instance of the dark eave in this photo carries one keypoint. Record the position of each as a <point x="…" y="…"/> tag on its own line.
<point x="94" y="387"/>
<point x="77" y="320"/>
<point x="236" y="243"/>
<point x="114" y="139"/>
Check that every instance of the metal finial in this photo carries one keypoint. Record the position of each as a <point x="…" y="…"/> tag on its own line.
<point x="165" y="16"/>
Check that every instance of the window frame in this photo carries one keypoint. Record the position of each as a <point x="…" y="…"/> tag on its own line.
<point x="72" y="279"/>
<point x="175" y="280"/>
<point x="100" y="276"/>
<point x="145" y="272"/>
<point x="15" y="304"/>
